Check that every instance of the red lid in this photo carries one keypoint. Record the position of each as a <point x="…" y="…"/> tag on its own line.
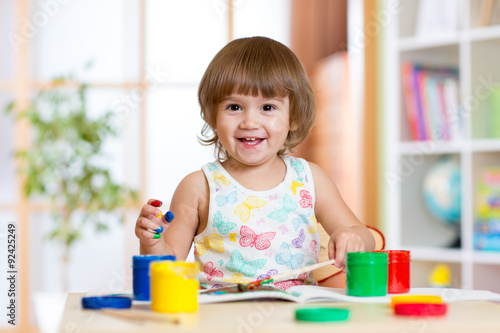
<point x="420" y="309"/>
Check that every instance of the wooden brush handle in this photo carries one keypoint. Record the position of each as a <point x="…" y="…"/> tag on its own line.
<point x="306" y="269"/>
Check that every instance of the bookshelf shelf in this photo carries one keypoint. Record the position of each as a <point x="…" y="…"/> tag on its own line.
<point x="430" y="147"/>
<point x="433" y="254"/>
<point x="479" y="34"/>
<point x="484" y="257"/>
<point x="418" y="43"/>
<point x="485" y="145"/>
<point x="472" y="51"/>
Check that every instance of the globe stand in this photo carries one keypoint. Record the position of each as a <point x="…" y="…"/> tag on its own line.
<point x="457" y="243"/>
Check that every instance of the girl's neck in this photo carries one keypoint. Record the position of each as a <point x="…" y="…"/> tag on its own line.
<point x="260" y="177"/>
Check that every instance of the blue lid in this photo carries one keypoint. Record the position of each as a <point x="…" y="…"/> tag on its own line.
<point x="112" y="302"/>
<point x="140" y="261"/>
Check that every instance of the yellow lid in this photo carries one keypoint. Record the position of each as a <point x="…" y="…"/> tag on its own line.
<point x="419" y="299"/>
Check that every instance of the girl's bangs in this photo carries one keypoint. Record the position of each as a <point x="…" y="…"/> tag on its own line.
<point x="253" y="83"/>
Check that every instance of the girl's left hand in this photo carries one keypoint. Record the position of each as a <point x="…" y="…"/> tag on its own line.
<point x="344" y="240"/>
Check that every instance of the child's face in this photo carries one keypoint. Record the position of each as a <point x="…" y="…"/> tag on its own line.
<point x="253" y="129"/>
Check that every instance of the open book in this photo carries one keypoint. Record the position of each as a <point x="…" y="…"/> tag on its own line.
<point x="311" y="294"/>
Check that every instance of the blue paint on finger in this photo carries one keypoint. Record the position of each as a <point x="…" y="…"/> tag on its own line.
<point x="169" y="216"/>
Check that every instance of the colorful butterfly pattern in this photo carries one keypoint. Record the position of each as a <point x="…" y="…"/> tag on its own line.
<point x="213" y="242"/>
<point x="294" y="186"/>
<point x="297" y="221"/>
<point x="297" y="166"/>
<point x="305" y="199"/>
<point x="255" y="234"/>
<point x="244" y="210"/>
<point x="219" y="178"/>
<point x="297" y="242"/>
<point x="238" y="264"/>
<point x="285" y="257"/>
<point x="314" y="228"/>
<point x="282" y="214"/>
<point x="249" y="238"/>
<point x="224" y="200"/>
<point x="313" y="245"/>
<point x="284" y="230"/>
<point x="209" y="268"/>
<point x="223" y="226"/>
<point x="267" y="275"/>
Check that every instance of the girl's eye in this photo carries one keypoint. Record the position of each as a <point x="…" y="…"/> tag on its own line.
<point x="268" y="107"/>
<point x="233" y="107"/>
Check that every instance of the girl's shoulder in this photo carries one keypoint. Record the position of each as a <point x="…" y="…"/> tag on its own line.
<point x="194" y="183"/>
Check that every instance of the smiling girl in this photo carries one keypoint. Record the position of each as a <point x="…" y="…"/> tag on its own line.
<point x="253" y="212"/>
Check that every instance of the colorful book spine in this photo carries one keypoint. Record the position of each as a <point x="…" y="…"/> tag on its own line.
<point x="430" y="97"/>
<point x="410" y="100"/>
<point x="421" y="121"/>
<point x="441" y="109"/>
<point x="487" y="225"/>
<point x="450" y="86"/>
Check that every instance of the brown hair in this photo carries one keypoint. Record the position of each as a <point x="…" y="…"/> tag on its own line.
<point x="250" y="66"/>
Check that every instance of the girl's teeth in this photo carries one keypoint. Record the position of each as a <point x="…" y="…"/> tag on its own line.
<point x="251" y="140"/>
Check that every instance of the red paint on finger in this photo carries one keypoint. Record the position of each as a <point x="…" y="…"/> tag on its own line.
<point x="156" y="203"/>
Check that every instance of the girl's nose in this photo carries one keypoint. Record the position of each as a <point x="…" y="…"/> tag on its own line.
<point x="250" y="120"/>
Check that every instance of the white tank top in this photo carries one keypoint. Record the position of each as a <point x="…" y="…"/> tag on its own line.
<point x="251" y="235"/>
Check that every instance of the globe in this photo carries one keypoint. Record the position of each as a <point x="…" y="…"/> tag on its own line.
<point x="441" y="190"/>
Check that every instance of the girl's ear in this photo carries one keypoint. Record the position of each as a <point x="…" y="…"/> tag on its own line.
<point x="293" y="127"/>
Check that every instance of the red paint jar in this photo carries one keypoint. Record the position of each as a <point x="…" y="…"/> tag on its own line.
<point x="398" y="277"/>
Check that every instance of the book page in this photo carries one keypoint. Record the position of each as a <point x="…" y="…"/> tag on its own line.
<point x="311" y="294"/>
<point x="308" y="294"/>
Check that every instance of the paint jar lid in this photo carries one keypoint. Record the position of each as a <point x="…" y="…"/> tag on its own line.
<point x="397" y="255"/>
<point x="143" y="261"/>
<point x="364" y="258"/>
<point x="321" y="314"/>
<point x="420" y="309"/>
<point x="112" y="302"/>
<point x="405" y="299"/>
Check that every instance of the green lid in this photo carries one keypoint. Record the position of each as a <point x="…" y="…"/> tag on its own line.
<point x="321" y="314"/>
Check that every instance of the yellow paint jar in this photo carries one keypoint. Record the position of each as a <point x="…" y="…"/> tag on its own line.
<point x="174" y="286"/>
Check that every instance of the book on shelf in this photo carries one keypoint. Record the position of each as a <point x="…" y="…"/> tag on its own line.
<point x="487" y="225"/>
<point x="313" y="294"/>
<point x="431" y="101"/>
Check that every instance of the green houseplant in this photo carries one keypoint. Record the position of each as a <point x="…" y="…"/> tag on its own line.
<point x="63" y="165"/>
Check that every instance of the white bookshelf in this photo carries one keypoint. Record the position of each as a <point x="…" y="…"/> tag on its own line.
<point x="475" y="51"/>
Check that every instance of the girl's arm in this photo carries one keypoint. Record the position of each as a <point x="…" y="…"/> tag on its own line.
<point x="347" y="233"/>
<point x="191" y="195"/>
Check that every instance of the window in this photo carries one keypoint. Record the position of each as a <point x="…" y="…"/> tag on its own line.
<point x="148" y="57"/>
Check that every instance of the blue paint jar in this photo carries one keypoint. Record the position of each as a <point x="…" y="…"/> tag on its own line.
<point x="141" y="277"/>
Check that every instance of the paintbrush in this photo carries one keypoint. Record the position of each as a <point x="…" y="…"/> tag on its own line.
<point x="283" y="276"/>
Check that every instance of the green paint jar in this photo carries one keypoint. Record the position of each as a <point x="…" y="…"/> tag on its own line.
<point x="367" y="273"/>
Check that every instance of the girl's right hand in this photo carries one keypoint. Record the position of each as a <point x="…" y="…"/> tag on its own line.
<point x="150" y="223"/>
